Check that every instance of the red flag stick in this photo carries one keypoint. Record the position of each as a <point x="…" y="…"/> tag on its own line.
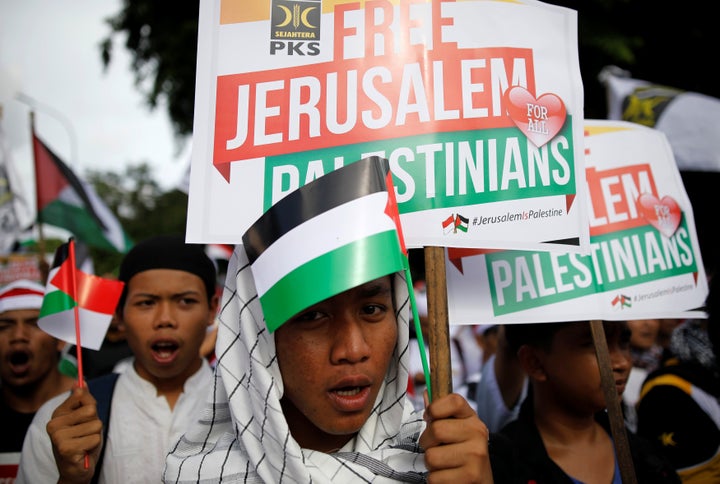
<point x="73" y="278"/>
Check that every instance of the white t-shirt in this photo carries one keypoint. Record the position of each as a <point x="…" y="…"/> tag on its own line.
<point x="472" y="353"/>
<point x="142" y="429"/>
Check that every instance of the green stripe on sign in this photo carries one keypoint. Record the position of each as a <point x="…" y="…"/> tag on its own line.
<point x="330" y="274"/>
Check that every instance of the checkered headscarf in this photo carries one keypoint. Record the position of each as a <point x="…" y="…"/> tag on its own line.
<point x="242" y="434"/>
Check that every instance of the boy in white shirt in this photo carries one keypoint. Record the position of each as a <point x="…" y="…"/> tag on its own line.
<point x="168" y="302"/>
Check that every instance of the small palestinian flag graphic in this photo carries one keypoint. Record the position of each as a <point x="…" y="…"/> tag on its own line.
<point x="621" y="301"/>
<point x="455" y="223"/>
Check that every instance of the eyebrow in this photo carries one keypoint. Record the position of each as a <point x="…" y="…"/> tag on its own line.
<point x="375" y="289"/>
<point x="155" y="295"/>
<point x="5" y="319"/>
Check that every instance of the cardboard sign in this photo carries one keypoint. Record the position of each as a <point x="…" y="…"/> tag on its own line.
<point x="476" y="104"/>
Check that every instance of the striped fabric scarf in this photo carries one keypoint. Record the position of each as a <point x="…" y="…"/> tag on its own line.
<point x="242" y="435"/>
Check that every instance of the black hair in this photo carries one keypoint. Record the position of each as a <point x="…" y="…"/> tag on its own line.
<point x="535" y="334"/>
<point x="167" y="252"/>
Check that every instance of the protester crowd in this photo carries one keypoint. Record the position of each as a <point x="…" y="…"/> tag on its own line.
<point x="29" y="368"/>
<point x="339" y="390"/>
<point x="336" y="393"/>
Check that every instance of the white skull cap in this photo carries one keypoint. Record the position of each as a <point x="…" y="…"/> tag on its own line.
<point x="21" y="294"/>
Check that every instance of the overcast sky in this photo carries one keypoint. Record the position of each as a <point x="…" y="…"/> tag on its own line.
<point x="50" y="57"/>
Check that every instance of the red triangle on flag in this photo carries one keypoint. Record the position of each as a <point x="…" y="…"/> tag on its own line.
<point x="392" y="210"/>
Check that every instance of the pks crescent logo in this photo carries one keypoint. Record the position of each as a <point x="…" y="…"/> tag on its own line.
<point x="295" y="27"/>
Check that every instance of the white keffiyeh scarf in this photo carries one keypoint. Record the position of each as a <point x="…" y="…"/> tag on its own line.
<point x="242" y="434"/>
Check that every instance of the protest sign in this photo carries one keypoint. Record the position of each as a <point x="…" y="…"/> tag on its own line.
<point x="644" y="261"/>
<point x="16" y="266"/>
<point x="688" y="119"/>
<point x="477" y="105"/>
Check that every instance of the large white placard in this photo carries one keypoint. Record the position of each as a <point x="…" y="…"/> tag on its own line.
<point x="644" y="259"/>
<point x="476" y="104"/>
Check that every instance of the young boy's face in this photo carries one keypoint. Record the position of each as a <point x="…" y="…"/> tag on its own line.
<point x="333" y="358"/>
<point x="572" y="366"/>
<point x="166" y="314"/>
<point x="27" y="353"/>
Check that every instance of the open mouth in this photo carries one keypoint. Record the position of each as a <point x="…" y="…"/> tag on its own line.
<point x="19" y="361"/>
<point x="349" y="391"/>
<point x="351" y="399"/>
<point x="18" y="358"/>
<point x="165" y="349"/>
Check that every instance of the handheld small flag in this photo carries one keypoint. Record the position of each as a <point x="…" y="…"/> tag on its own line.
<point x="69" y="288"/>
<point x="394" y="213"/>
<point x="324" y="238"/>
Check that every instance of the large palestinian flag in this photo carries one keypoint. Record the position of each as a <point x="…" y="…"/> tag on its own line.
<point x="69" y="287"/>
<point x="324" y="238"/>
<point x="65" y="201"/>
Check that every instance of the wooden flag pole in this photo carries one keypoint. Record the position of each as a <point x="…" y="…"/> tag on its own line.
<point x="438" y="324"/>
<point x="612" y="401"/>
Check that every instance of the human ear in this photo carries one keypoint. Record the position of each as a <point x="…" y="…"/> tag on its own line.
<point x="531" y="362"/>
<point x="213" y="303"/>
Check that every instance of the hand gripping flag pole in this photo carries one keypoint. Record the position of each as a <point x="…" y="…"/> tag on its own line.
<point x="77" y="307"/>
<point x="76" y="312"/>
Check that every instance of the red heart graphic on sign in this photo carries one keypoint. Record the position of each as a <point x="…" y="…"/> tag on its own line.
<point x="540" y="119"/>
<point x="663" y="214"/>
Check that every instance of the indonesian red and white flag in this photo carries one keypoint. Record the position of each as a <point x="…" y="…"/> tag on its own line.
<point x="68" y="287"/>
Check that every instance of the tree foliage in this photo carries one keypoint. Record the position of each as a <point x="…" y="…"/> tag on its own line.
<point x="162" y="39"/>
<point x="658" y="41"/>
<point x="140" y="204"/>
<point x="661" y="41"/>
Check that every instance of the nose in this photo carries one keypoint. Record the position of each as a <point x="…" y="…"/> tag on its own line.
<point x="165" y="315"/>
<point x="20" y="331"/>
<point x="350" y="344"/>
